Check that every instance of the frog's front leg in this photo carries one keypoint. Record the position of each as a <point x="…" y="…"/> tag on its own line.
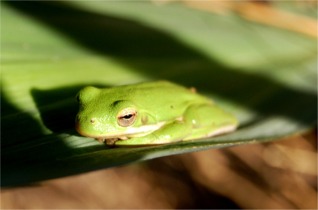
<point x="171" y="132"/>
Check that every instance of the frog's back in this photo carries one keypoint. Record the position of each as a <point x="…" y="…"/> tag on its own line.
<point x="163" y="91"/>
<point x="162" y="98"/>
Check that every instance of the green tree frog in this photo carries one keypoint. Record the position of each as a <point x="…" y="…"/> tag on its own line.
<point x="149" y="114"/>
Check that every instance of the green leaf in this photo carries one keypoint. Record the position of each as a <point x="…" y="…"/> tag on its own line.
<point x="50" y="50"/>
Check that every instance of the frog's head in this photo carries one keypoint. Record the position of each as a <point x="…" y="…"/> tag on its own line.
<point x="106" y="116"/>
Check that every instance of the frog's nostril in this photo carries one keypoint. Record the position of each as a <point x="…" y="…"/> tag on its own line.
<point x="93" y="120"/>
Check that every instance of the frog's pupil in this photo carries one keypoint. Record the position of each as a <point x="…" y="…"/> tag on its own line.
<point x="127" y="116"/>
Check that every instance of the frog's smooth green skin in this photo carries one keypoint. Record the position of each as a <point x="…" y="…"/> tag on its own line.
<point x="149" y="113"/>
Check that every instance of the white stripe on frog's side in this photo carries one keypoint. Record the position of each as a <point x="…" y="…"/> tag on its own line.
<point x="222" y="130"/>
<point x="129" y="132"/>
<point x="143" y="130"/>
<point x="225" y="129"/>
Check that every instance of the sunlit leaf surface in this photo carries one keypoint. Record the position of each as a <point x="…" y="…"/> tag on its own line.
<point x="265" y="76"/>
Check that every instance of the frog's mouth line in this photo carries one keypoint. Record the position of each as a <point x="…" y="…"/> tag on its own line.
<point x="130" y="132"/>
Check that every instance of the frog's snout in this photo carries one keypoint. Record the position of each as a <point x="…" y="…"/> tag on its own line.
<point x="84" y="124"/>
<point x="79" y="129"/>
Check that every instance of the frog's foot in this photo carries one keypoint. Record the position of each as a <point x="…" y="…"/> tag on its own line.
<point x="111" y="141"/>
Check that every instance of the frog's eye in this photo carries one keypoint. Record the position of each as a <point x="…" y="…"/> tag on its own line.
<point x="126" y="117"/>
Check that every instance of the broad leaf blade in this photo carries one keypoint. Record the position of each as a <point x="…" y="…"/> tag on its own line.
<point x="51" y="50"/>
